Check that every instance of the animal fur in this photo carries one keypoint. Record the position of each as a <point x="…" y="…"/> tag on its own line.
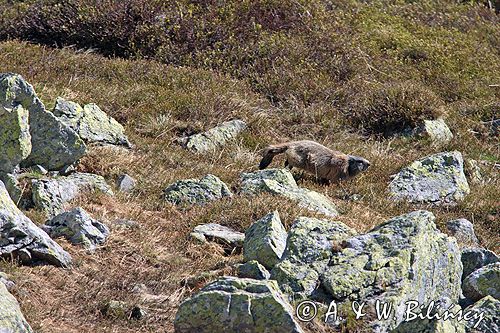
<point x="325" y="164"/>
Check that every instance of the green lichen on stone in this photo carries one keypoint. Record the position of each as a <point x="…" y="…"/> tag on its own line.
<point x="265" y="240"/>
<point x="188" y="192"/>
<point x="11" y="318"/>
<point x="437" y="179"/>
<point x="436" y="130"/>
<point x="214" y="138"/>
<point x="234" y="305"/>
<point x="490" y="308"/>
<point x="91" y="123"/>
<point x="482" y="282"/>
<point x="281" y="182"/>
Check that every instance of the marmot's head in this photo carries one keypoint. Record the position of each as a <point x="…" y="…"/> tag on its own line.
<point x="356" y="165"/>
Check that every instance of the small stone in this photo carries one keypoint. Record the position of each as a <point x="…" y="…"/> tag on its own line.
<point x="126" y="223"/>
<point x="463" y="231"/>
<point x="473" y="171"/>
<point x="125" y="183"/>
<point x="253" y="270"/>
<point x="4" y="278"/>
<point x="115" y="309"/>
<point x="473" y="259"/>
<point x="215" y="232"/>
<point x="265" y="240"/>
<point x="79" y="228"/>
<point x="214" y="138"/>
<point x="38" y="169"/>
<point x="188" y="192"/>
<point x="483" y="282"/>
<point x="436" y="130"/>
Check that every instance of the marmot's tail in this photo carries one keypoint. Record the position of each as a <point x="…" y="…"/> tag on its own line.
<point x="269" y="152"/>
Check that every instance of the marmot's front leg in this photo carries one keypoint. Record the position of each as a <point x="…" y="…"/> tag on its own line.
<point x="324" y="181"/>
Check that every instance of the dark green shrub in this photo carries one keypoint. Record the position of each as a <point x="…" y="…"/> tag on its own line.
<point x="394" y="107"/>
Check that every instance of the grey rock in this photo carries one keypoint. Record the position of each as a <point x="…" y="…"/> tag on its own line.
<point x="50" y="194"/>
<point x="190" y="192"/>
<point x="91" y="123"/>
<point x="483" y="282"/>
<point x="265" y="240"/>
<point x="53" y="144"/>
<point x="234" y="305"/>
<point x="15" y="138"/>
<point x="125" y="183"/>
<point x="476" y="258"/>
<point x="437" y="179"/>
<point x="220" y="234"/>
<point x="405" y="258"/>
<point x="12" y="186"/>
<point x="22" y="239"/>
<point x="38" y="169"/>
<point x="436" y="130"/>
<point x="489" y="308"/>
<point x="280" y="182"/>
<point x="463" y="231"/>
<point x="452" y="325"/>
<point x="5" y="279"/>
<point x="78" y="227"/>
<point x="214" y="138"/>
<point x="11" y="318"/>
<point x="252" y="270"/>
<point x="115" y="309"/>
<point x="309" y="247"/>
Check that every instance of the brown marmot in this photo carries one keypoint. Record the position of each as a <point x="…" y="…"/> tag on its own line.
<point x="326" y="164"/>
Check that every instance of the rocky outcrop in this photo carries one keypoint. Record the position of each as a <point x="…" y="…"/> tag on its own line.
<point x="22" y="239"/>
<point x="12" y="186"/>
<point x="463" y="231"/>
<point x="91" y="123"/>
<point x="309" y="247"/>
<point x="265" y="240"/>
<point x="473" y="259"/>
<point x="190" y="192"/>
<point x="235" y="305"/>
<point x="78" y="227"/>
<point x="50" y="194"/>
<point x="228" y="237"/>
<point x="483" y="282"/>
<point x="15" y="138"/>
<point x="214" y="138"/>
<point x="281" y="182"/>
<point x="53" y="144"/>
<point x="489" y="308"/>
<point x="11" y="318"/>
<point x="437" y="179"/>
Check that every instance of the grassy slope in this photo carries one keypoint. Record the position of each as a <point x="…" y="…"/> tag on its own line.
<point x="159" y="102"/>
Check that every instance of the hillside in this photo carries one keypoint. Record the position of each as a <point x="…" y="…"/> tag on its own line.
<point x="352" y="75"/>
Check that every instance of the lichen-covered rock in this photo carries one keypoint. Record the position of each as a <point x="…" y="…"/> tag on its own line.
<point x="463" y="231"/>
<point x="281" y="182"/>
<point x="405" y="258"/>
<point x="189" y="192"/>
<point x="482" y="282"/>
<point x="22" y="239"/>
<point x="13" y="186"/>
<point x="78" y="227"/>
<point x="473" y="259"/>
<point x="252" y="270"/>
<point x="53" y="144"/>
<point x="309" y="247"/>
<point x="452" y="325"/>
<point x="234" y="305"/>
<point x="50" y="194"/>
<point x="125" y="183"/>
<point x="215" y="232"/>
<point x="214" y="138"/>
<point x="91" y="123"/>
<point x="436" y="130"/>
<point x="437" y="179"/>
<point x="265" y="240"/>
<point x="15" y="138"/>
<point x="490" y="310"/>
<point x="11" y="317"/>
<point x="473" y="171"/>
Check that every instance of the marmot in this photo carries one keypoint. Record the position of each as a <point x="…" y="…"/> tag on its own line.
<point x="326" y="164"/>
